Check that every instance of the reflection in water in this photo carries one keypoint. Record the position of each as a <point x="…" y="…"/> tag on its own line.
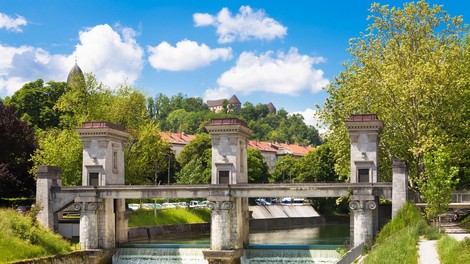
<point x="327" y="234"/>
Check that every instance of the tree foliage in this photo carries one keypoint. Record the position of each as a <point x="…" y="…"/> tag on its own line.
<point x="438" y="182"/>
<point x="409" y="69"/>
<point x="147" y="157"/>
<point x="34" y="103"/>
<point x="257" y="167"/>
<point x="196" y="161"/>
<point x="62" y="148"/>
<point x="17" y="143"/>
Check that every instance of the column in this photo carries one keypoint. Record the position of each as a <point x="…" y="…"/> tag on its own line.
<point x="220" y="224"/>
<point x="88" y="224"/>
<point x="399" y="185"/>
<point x="363" y="221"/>
<point x="48" y="176"/>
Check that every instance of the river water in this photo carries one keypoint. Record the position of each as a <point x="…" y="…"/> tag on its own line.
<point x="316" y="244"/>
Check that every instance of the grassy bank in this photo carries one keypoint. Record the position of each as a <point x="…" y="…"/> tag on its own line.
<point x="452" y="251"/>
<point x="396" y="242"/>
<point x="169" y="217"/>
<point x="24" y="238"/>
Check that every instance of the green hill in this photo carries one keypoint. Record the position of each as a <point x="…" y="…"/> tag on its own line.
<point x="23" y="238"/>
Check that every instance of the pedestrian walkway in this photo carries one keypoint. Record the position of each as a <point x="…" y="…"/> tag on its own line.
<point x="427" y="252"/>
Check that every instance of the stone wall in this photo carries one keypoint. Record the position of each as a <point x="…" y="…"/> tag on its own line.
<point x="77" y="257"/>
<point x="152" y="232"/>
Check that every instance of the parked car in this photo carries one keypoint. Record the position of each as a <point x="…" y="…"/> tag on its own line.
<point x="133" y="207"/>
<point x="203" y="203"/>
<point x="194" y="204"/>
<point x="23" y="209"/>
<point x="262" y="201"/>
<point x="168" y="205"/>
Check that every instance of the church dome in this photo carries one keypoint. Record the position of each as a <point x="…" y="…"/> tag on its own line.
<point x="75" y="70"/>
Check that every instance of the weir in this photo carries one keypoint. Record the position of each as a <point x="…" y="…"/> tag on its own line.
<point x="100" y="199"/>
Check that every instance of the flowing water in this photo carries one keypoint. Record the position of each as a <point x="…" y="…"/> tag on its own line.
<point x="313" y="245"/>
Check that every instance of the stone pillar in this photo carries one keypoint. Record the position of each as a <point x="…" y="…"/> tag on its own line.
<point x="220" y="224"/>
<point x="363" y="221"/>
<point x="363" y="135"/>
<point x="399" y="186"/>
<point x="122" y="218"/>
<point x="103" y="165"/>
<point x="229" y="226"/>
<point x="48" y="176"/>
<point x="88" y="207"/>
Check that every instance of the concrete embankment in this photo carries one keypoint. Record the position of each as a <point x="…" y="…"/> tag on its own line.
<point x="278" y="216"/>
<point x="262" y="217"/>
<point x="77" y="257"/>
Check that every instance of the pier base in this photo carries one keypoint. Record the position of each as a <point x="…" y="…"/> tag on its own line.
<point x="223" y="256"/>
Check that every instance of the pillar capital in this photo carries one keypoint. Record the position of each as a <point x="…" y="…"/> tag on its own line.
<point x="87" y="206"/>
<point x="220" y="205"/>
<point x="362" y="205"/>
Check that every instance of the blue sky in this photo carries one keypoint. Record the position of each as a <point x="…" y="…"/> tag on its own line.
<point x="282" y="52"/>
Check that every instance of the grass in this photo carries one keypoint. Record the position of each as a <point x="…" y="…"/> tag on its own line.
<point x="465" y="223"/>
<point x="169" y="217"/>
<point x="396" y="242"/>
<point x="23" y="238"/>
<point x="452" y="251"/>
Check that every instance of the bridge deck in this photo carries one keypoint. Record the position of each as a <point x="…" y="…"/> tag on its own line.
<point x="237" y="190"/>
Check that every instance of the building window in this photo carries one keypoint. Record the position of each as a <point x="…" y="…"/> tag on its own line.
<point x="93" y="178"/>
<point x="224" y="177"/>
<point x="363" y="175"/>
<point x="115" y="166"/>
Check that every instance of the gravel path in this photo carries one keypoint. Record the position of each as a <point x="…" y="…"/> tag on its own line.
<point x="427" y="252"/>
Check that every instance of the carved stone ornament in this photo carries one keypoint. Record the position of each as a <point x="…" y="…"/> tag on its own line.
<point x="220" y="205"/>
<point x="87" y="206"/>
<point x="354" y="205"/>
<point x="371" y="205"/>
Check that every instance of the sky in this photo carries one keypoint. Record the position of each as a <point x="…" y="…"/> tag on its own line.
<point x="282" y="52"/>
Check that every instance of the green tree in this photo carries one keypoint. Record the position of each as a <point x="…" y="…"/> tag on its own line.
<point x="407" y="68"/>
<point x="438" y="182"/>
<point x="257" y="167"/>
<point x="34" y="103"/>
<point x="196" y="161"/>
<point x="317" y="166"/>
<point x="285" y="170"/>
<point x="197" y="170"/>
<point x="62" y="148"/>
<point x="147" y="157"/>
<point x="85" y="100"/>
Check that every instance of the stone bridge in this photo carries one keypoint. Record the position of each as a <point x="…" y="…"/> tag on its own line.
<point x="101" y="198"/>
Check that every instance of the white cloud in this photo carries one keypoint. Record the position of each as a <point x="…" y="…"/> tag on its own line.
<point x="215" y="94"/>
<point x="12" y="24"/>
<point x="311" y="118"/>
<point x="281" y="73"/>
<point x="113" y="57"/>
<point x="247" y="24"/>
<point x="186" y="55"/>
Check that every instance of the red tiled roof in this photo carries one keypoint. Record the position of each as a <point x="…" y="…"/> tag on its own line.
<point x="177" y="138"/>
<point x="263" y="146"/>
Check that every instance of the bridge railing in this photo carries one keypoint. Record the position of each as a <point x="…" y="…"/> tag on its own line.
<point x="457" y="197"/>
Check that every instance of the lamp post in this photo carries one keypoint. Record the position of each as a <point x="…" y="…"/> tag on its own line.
<point x="169" y="165"/>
